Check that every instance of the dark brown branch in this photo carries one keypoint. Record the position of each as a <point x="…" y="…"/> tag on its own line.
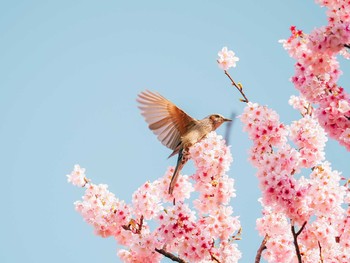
<point x="261" y="249"/>
<point x="238" y="235"/>
<point x="319" y="246"/>
<point x="309" y="109"/>
<point x="295" y="237"/>
<point x="347" y="45"/>
<point x="126" y="227"/>
<point x="301" y="229"/>
<point x="140" y="225"/>
<point x="85" y="181"/>
<point x="238" y="87"/>
<point x="213" y="258"/>
<point x="169" y="255"/>
<point x="133" y="226"/>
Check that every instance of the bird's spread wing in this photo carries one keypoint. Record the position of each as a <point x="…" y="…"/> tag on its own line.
<point x="166" y="120"/>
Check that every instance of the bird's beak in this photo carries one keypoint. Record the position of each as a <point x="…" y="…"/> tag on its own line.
<point x="227" y="120"/>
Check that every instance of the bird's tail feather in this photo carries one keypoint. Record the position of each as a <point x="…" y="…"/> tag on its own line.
<point x="176" y="150"/>
<point x="177" y="170"/>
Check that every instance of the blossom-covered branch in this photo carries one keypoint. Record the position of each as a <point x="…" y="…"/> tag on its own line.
<point x="288" y="196"/>
<point x="317" y="69"/>
<point x="197" y="234"/>
<point x="227" y="60"/>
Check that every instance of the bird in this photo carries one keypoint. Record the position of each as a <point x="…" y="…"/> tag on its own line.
<point x="174" y="128"/>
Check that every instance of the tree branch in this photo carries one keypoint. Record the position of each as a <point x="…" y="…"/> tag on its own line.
<point x="295" y="237"/>
<point x="238" y="87"/>
<point x="238" y="235"/>
<point x="261" y="249"/>
<point x="133" y="226"/>
<point x="301" y="229"/>
<point x="140" y="225"/>
<point x="347" y="45"/>
<point x="169" y="255"/>
<point x="213" y="258"/>
<point x="319" y="246"/>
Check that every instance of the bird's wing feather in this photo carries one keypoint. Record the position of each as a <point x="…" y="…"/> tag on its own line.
<point x="166" y="120"/>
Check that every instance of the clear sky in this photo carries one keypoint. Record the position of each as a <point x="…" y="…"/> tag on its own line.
<point x="69" y="75"/>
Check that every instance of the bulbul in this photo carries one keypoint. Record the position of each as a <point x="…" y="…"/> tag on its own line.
<point x="175" y="128"/>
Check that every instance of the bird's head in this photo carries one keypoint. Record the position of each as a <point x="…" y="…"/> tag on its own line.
<point x="217" y="120"/>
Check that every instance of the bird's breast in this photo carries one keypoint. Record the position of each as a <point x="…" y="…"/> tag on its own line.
<point x="194" y="135"/>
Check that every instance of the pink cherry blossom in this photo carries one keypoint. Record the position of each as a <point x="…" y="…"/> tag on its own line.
<point x="326" y="192"/>
<point x="182" y="189"/>
<point x="181" y="233"/>
<point x="272" y="222"/>
<point x="212" y="159"/>
<point x="227" y="59"/>
<point x="220" y="223"/>
<point x="301" y="104"/>
<point x="141" y="249"/>
<point x="227" y="252"/>
<point x="280" y="249"/>
<point x="101" y="209"/>
<point x="279" y="242"/>
<point x="310" y="138"/>
<point x="77" y="176"/>
<point x="146" y="200"/>
<point x="345" y="137"/>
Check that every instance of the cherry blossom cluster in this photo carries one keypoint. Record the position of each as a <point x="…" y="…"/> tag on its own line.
<point x="276" y="160"/>
<point x="227" y="59"/>
<point x="279" y="241"/>
<point x="101" y="209"/>
<point x="310" y="139"/>
<point x="314" y="203"/>
<point x="317" y="69"/>
<point x="204" y="231"/>
<point x="303" y="217"/>
<point x="212" y="159"/>
<point x="325" y="235"/>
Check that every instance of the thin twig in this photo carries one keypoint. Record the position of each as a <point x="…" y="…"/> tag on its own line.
<point x="261" y="249"/>
<point x="347" y="45"/>
<point x="295" y="237"/>
<point x="239" y="88"/>
<point x="319" y="246"/>
<point x="238" y="235"/>
<point x="301" y="229"/>
<point x="133" y="226"/>
<point x="86" y="181"/>
<point x="140" y="225"/>
<point x="214" y="258"/>
<point x="169" y="255"/>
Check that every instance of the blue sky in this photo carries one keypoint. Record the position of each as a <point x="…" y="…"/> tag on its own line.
<point x="69" y="75"/>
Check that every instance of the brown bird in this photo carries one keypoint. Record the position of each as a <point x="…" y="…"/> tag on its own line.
<point x="175" y="128"/>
